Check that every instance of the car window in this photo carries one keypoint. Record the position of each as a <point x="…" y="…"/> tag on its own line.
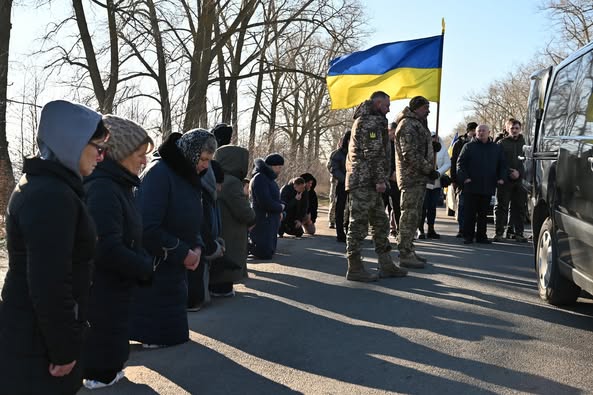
<point x="582" y="121"/>
<point x="558" y="105"/>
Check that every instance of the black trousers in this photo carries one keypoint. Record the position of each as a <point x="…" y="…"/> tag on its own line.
<point x="391" y="198"/>
<point x="510" y="194"/>
<point x="475" y="212"/>
<point x="341" y="198"/>
<point x="287" y="226"/>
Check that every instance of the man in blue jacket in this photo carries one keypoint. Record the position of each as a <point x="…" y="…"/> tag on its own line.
<point x="480" y="168"/>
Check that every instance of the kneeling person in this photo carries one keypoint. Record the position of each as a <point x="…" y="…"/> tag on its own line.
<point x="292" y="194"/>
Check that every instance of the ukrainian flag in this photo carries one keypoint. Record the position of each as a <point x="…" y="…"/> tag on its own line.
<point x="402" y="69"/>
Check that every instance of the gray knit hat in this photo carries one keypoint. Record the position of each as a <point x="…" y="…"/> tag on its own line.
<point x="417" y="102"/>
<point x="125" y="137"/>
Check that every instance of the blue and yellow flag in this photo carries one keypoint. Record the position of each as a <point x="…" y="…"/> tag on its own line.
<point x="402" y="69"/>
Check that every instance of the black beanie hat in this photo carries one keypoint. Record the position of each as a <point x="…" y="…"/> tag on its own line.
<point x="274" y="160"/>
<point x="471" y="126"/>
<point x="417" y="102"/>
<point x="223" y="133"/>
<point x="218" y="172"/>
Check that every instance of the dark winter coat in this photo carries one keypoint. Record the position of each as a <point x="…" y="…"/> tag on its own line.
<point x="311" y="196"/>
<point x="120" y="264"/>
<point x="265" y="200"/>
<point x="236" y="212"/>
<point x="51" y="241"/>
<point x="513" y="148"/>
<point x="484" y="164"/>
<point x="295" y="209"/>
<point x="338" y="164"/>
<point x="169" y="200"/>
<point x="455" y="151"/>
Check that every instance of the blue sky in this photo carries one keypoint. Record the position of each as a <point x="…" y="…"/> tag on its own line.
<point x="484" y="40"/>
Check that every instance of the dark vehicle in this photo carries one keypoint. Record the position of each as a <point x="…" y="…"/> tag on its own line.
<point x="559" y="175"/>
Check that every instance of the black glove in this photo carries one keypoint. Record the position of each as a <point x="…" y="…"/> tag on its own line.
<point x="434" y="175"/>
<point x="436" y="146"/>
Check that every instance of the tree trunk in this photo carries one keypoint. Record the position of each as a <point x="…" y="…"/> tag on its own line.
<point x="6" y="174"/>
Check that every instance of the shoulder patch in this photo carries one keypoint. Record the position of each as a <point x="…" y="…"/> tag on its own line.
<point x="372" y="134"/>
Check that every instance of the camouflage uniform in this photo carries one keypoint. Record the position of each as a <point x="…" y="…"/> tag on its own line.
<point x="414" y="163"/>
<point x="366" y="166"/>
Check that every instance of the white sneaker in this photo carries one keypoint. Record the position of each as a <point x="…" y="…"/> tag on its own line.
<point x="95" y="384"/>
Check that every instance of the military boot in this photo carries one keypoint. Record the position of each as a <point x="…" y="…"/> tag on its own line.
<point x="420" y="258"/>
<point x="388" y="268"/>
<point x="356" y="271"/>
<point x="410" y="260"/>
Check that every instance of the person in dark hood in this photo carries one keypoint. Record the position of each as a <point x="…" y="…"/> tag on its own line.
<point x="265" y="200"/>
<point x="338" y="170"/>
<point x="237" y="217"/>
<point x="367" y="174"/>
<point x="51" y="242"/>
<point x="120" y="262"/>
<point x="312" y="203"/>
<point x="169" y="197"/>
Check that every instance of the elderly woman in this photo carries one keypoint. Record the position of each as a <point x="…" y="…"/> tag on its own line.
<point x="51" y="241"/>
<point x="120" y="262"/>
<point x="169" y="197"/>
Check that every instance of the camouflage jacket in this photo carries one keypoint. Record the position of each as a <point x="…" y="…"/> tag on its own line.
<point x="367" y="163"/>
<point x="413" y="150"/>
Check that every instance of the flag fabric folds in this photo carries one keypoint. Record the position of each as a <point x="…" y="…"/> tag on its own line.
<point x="402" y="69"/>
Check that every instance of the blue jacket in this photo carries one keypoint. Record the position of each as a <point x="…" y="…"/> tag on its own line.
<point x="169" y="198"/>
<point x="265" y="200"/>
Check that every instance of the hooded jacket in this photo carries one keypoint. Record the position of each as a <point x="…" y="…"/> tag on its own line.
<point x="337" y="160"/>
<point x="311" y="196"/>
<point x="51" y="241"/>
<point x="367" y="163"/>
<point x="413" y="150"/>
<point x="236" y="212"/>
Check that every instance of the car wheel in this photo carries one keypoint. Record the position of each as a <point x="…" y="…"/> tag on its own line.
<point x="553" y="287"/>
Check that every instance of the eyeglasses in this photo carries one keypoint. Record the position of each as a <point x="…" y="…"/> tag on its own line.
<point x="101" y="150"/>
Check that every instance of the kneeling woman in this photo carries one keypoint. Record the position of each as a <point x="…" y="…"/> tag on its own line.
<point x="120" y="262"/>
<point x="169" y="197"/>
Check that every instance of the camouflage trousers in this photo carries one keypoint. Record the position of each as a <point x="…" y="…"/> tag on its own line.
<point x="366" y="207"/>
<point x="411" y="210"/>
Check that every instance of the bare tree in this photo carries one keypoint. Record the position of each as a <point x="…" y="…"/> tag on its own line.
<point x="573" y="19"/>
<point x="6" y="173"/>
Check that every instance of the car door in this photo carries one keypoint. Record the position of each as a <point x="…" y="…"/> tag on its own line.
<point x="576" y="214"/>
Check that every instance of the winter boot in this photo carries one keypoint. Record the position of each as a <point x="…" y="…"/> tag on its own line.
<point x="356" y="271"/>
<point x="420" y="258"/>
<point x="388" y="268"/>
<point x="410" y="260"/>
<point x="431" y="234"/>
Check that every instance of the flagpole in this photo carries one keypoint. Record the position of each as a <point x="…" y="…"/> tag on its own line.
<point x="440" y="78"/>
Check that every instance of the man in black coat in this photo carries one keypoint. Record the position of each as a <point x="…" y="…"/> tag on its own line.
<point x="338" y="170"/>
<point x="480" y="168"/>
<point x="312" y="203"/>
<point x="457" y="188"/>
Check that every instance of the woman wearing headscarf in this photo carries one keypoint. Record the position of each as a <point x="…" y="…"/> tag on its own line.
<point x="51" y="241"/>
<point x="120" y="261"/>
<point x="237" y="217"/>
<point x="169" y="197"/>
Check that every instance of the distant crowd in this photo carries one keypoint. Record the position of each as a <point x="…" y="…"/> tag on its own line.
<point x="111" y="240"/>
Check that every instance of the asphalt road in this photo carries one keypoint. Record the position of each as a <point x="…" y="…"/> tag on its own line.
<point x="471" y="322"/>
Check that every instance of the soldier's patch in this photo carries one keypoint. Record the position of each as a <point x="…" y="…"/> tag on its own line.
<point x="372" y="135"/>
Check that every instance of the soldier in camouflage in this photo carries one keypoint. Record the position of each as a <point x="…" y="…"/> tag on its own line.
<point x="415" y="167"/>
<point x="367" y="171"/>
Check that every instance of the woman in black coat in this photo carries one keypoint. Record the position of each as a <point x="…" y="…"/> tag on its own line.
<point x="265" y="200"/>
<point x="169" y="197"/>
<point x="120" y="262"/>
<point x="51" y="241"/>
